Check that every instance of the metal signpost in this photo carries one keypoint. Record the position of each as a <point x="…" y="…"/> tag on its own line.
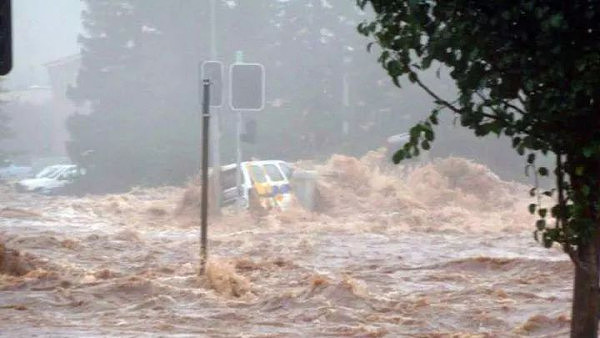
<point x="213" y="71"/>
<point x="246" y="93"/>
<point x="204" y="193"/>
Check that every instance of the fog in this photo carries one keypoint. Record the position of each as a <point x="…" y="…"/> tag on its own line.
<point x="320" y="82"/>
<point x="43" y="33"/>
<point x="105" y="243"/>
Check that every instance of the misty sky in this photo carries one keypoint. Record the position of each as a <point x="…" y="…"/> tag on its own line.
<point x="43" y="31"/>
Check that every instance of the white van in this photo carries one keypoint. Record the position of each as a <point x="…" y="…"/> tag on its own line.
<point x="266" y="183"/>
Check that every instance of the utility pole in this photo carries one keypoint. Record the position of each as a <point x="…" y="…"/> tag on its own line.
<point x="204" y="192"/>
<point x="346" y="61"/>
<point x="246" y="93"/>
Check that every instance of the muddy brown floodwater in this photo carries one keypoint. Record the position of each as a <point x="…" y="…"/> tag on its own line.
<point x="443" y="250"/>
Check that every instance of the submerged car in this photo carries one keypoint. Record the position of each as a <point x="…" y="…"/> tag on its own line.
<point x="11" y="171"/>
<point x="51" y="180"/>
<point x="263" y="183"/>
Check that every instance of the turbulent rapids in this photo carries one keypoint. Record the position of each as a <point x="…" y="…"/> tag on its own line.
<point x="443" y="249"/>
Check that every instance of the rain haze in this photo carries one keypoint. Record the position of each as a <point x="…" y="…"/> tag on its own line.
<point x="312" y="230"/>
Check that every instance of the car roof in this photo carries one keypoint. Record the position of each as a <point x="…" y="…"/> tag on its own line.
<point x="60" y="166"/>
<point x="263" y="162"/>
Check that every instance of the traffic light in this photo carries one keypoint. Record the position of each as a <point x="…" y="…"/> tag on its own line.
<point x="247" y="86"/>
<point x="213" y="70"/>
<point x="5" y="37"/>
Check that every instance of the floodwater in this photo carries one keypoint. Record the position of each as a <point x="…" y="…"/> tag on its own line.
<point x="444" y="250"/>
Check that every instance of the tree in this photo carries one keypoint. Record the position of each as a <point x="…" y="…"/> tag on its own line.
<point x="307" y="91"/>
<point x="135" y="75"/>
<point x="527" y="70"/>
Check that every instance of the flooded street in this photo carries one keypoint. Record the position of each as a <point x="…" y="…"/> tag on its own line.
<point x="423" y="254"/>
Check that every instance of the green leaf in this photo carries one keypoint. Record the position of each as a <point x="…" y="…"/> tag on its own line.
<point x="532" y="208"/>
<point x="556" y="20"/>
<point x="542" y="212"/>
<point x="543" y="171"/>
<point x="516" y="141"/>
<point x="555" y="210"/>
<point x="412" y="77"/>
<point x="540" y="224"/>
<point x="429" y="136"/>
<point x="579" y="171"/>
<point x="531" y="158"/>
<point x="588" y="152"/>
<point x="398" y="156"/>
<point x="548" y="241"/>
<point x="433" y="118"/>
<point x="415" y="133"/>
<point x="585" y="189"/>
<point x="548" y="193"/>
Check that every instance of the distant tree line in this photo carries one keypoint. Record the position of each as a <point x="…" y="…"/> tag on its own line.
<point x="139" y="76"/>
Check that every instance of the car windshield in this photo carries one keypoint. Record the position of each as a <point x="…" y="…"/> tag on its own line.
<point x="273" y="172"/>
<point x="47" y="172"/>
<point x="257" y="174"/>
<point x="287" y="171"/>
<point x="54" y="171"/>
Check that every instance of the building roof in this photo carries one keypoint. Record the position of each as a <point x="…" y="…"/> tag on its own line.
<point x="63" y="61"/>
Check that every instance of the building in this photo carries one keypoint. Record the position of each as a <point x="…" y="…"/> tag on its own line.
<point x="38" y="114"/>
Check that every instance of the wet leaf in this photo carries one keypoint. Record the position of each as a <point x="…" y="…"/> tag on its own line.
<point x="532" y="208"/>
<point x="540" y="224"/>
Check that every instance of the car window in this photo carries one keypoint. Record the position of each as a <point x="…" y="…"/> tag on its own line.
<point x="228" y="178"/>
<point x="257" y="173"/>
<point x="273" y="172"/>
<point x="286" y="169"/>
<point x="68" y="173"/>
<point x="47" y="172"/>
<point x="56" y="174"/>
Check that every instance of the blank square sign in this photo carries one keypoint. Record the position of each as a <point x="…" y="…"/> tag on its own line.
<point x="247" y="86"/>
<point x="213" y="70"/>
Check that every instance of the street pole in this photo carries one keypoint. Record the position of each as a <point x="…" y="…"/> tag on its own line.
<point x="204" y="196"/>
<point x="239" y="56"/>
<point x="213" y="30"/>
<point x="238" y="161"/>
<point x="215" y="126"/>
<point x="346" y="104"/>
<point x="346" y="61"/>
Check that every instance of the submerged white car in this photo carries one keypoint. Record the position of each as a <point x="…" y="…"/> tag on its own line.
<point x="264" y="183"/>
<point x="50" y="180"/>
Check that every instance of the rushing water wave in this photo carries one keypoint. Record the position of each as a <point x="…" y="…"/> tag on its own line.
<point x="440" y="250"/>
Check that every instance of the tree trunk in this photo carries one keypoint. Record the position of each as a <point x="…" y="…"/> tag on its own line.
<point x="584" y="316"/>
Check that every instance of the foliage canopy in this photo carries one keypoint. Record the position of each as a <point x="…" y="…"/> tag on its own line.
<point x="525" y="69"/>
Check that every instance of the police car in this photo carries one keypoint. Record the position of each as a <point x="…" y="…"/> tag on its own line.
<point x="263" y="183"/>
